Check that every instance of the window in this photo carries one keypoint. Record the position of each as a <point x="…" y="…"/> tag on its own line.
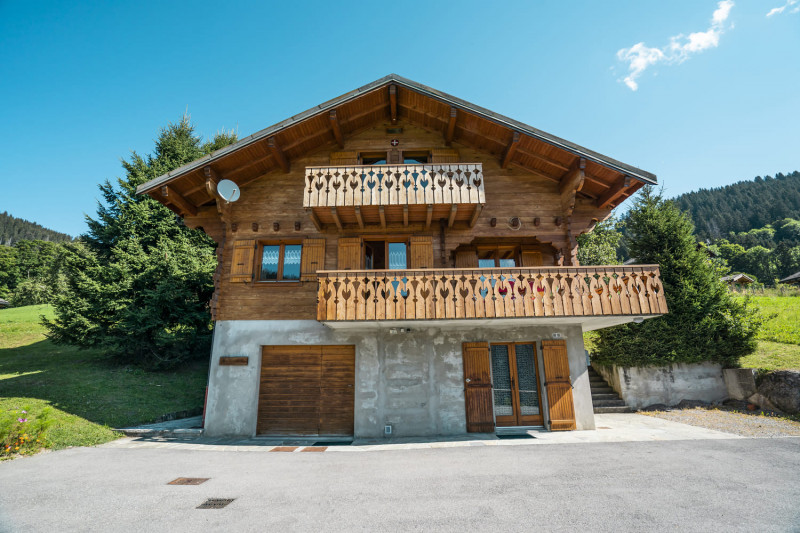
<point x="380" y="255"/>
<point x="501" y="256"/>
<point x="373" y="158"/>
<point x="280" y="262"/>
<point x="411" y="157"/>
<point x="415" y="158"/>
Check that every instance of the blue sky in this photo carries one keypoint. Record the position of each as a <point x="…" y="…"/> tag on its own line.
<point x="83" y="84"/>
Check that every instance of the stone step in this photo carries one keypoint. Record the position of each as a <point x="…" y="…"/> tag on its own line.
<point x="602" y="390"/>
<point x="608" y="403"/>
<point x="605" y="396"/>
<point x="623" y="409"/>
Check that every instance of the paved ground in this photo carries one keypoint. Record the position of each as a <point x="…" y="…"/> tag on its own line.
<point x="713" y="484"/>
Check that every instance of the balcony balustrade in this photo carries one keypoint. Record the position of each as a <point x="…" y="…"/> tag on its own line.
<point x="453" y="294"/>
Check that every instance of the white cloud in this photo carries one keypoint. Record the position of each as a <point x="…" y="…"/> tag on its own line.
<point x="788" y="4"/>
<point x="680" y="47"/>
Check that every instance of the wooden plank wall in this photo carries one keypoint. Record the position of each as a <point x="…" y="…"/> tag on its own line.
<point x="277" y="197"/>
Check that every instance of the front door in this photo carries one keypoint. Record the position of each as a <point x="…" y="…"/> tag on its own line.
<point x="516" y="391"/>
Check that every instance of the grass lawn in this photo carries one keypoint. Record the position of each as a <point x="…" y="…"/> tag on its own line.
<point x="778" y="340"/>
<point x="79" y="394"/>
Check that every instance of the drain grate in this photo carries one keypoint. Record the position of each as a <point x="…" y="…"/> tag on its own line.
<point x="215" y="503"/>
<point x="517" y="436"/>
<point x="333" y="443"/>
<point x="188" y="481"/>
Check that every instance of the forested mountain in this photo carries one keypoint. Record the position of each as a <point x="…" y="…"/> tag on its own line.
<point x="14" y="229"/>
<point x="742" y="206"/>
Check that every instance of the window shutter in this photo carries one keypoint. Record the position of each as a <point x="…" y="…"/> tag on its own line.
<point x="313" y="259"/>
<point x="349" y="253"/>
<point x="531" y="258"/>
<point x="339" y="159"/>
<point x="467" y="258"/>
<point x="394" y="156"/>
<point x="243" y="261"/>
<point x="444" y="155"/>
<point x="421" y="251"/>
<point x="558" y="384"/>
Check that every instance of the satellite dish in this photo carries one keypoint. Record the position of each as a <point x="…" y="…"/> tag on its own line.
<point x="228" y="190"/>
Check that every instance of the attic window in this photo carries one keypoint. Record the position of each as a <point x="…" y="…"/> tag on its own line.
<point x="373" y="158"/>
<point x="415" y="158"/>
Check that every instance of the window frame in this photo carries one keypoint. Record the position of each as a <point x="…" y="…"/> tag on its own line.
<point x="515" y="251"/>
<point x="386" y="239"/>
<point x="282" y="243"/>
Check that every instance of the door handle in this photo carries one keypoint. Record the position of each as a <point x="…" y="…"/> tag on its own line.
<point x="468" y="380"/>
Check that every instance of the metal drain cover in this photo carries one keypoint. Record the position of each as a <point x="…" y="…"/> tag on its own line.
<point x="189" y="481"/>
<point x="215" y="503"/>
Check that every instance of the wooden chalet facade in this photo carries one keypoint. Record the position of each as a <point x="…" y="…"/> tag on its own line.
<point x="403" y="261"/>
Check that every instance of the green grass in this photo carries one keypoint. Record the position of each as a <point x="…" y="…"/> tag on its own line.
<point x="779" y="338"/>
<point x="87" y="392"/>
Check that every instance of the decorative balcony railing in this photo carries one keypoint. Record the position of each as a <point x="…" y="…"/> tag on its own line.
<point x="384" y="185"/>
<point x="444" y="294"/>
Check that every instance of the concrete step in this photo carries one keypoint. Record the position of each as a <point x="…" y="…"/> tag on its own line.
<point x="602" y="390"/>
<point x="624" y="409"/>
<point x="596" y="380"/>
<point x="608" y="403"/>
<point x="605" y="396"/>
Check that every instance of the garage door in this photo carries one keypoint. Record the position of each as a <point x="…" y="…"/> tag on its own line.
<point x="306" y="390"/>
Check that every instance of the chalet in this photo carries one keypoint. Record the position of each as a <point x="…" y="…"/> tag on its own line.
<point x="737" y="281"/>
<point x="402" y="262"/>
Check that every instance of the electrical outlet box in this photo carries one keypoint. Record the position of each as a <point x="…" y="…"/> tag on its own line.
<point x="387" y="430"/>
<point x="558" y="336"/>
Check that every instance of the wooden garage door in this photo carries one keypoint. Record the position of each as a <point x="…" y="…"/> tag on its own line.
<point x="306" y="390"/>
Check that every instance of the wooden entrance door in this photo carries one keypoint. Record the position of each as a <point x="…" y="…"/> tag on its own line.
<point x="306" y="390"/>
<point x="478" y="387"/>
<point x="559" y="385"/>
<point x="516" y="386"/>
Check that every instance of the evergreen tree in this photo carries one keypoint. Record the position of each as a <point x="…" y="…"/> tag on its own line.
<point x="139" y="283"/>
<point x="704" y="323"/>
<point x="599" y="247"/>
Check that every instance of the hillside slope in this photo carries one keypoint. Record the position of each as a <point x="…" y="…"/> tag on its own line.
<point x="13" y="229"/>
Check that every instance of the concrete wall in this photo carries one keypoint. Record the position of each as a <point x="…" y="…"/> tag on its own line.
<point x="668" y="385"/>
<point x="412" y="381"/>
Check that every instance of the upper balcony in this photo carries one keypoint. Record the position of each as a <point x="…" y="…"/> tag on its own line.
<point x="385" y="194"/>
<point x="594" y="296"/>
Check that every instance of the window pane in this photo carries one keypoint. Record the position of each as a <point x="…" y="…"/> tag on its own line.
<point x="397" y="255"/>
<point x="269" y="263"/>
<point x="508" y="262"/>
<point x="486" y="263"/>
<point x="291" y="261"/>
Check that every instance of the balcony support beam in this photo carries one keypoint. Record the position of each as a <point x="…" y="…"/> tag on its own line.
<point x="405" y="216"/>
<point x="336" y="219"/>
<point x="475" y="215"/>
<point x="452" y="219"/>
<point x="315" y="219"/>
<point x="428" y="217"/>
<point x="382" y="213"/>
<point x="359" y="218"/>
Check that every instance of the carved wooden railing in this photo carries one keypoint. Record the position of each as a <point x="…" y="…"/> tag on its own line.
<point x="436" y="294"/>
<point x="394" y="185"/>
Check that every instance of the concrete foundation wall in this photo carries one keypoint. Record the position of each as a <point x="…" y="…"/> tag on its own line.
<point x="668" y="385"/>
<point x="411" y="380"/>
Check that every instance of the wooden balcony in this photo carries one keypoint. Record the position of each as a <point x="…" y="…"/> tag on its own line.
<point x="384" y="194"/>
<point x="565" y="294"/>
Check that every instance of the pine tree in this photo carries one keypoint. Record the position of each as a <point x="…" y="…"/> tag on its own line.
<point x="599" y="247"/>
<point x="704" y="323"/>
<point x="139" y="283"/>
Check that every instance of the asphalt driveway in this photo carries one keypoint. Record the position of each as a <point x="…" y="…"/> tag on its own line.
<point x="705" y="485"/>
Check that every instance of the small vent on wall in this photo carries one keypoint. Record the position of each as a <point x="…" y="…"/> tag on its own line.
<point x="394" y="131"/>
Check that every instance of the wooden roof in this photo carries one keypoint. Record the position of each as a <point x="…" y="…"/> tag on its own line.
<point x="608" y="181"/>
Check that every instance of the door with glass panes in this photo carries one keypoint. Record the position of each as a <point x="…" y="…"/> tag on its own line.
<point x="515" y="384"/>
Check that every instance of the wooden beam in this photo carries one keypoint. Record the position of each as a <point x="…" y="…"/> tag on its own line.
<point x="278" y="154"/>
<point x="382" y="214"/>
<point x="614" y="192"/>
<point x="549" y="160"/>
<point x="337" y="131"/>
<point x="452" y="219"/>
<point x="630" y="191"/>
<point x="451" y="126"/>
<point x="428" y="217"/>
<point x="393" y="102"/>
<point x="512" y="147"/>
<point x="336" y="219"/>
<point x="405" y="215"/>
<point x="315" y="219"/>
<point x="212" y="179"/>
<point x="359" y="218"/>
<point x="573" y="179"/>
<point x="475" y="215"/>
<point x="175" y="198"/>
